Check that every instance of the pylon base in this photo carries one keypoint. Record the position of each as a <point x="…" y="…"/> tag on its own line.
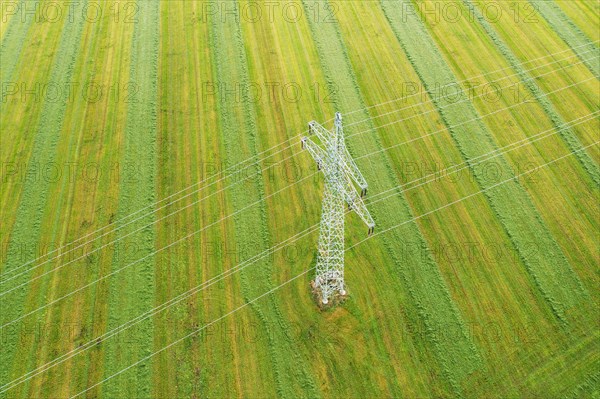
<point x="334" y="300"/>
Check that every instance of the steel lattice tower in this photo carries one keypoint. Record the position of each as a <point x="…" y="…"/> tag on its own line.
<point x="341" y="173"/>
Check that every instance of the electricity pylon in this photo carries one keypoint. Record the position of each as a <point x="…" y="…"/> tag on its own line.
<point x="340" y="171"/>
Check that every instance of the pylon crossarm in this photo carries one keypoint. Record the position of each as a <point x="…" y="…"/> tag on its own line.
<point x="348" y="165"/>
<point x="356" y="203"/>
<point x="352" y="170"/>
<point x="351" y="196"/>
<point x="318" y="154"/>
<point x="324" y="135"/>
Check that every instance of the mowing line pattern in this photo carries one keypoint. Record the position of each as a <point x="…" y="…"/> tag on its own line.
<point x="168" y="40"/>
<point x="34" y="202"/>
<point x="134" y="289"/>
<point x="549" y="268"/>
<point x="569" y="33"/>
<point x="385" y="194"/>
<point x="419" y="275"/>
<point x="387" y="230"/>
<point x="568" y="136"/>
<point x="240" y="139"/>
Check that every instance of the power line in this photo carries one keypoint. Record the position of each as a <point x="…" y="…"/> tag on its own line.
<point x="479" y="192"/>
<point x="500" y="151"/>
<point x="517" y="75"/>
<point x="233" y="168"/>
<point x="306" y="271"/>
<point x="165" y="247"/>
<point x="460" y="124"/>
<point x="486" y="74"/>
<point x="254" y="259"/>
<point x="222" y="189"/>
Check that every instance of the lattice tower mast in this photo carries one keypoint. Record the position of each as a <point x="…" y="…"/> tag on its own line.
<point x="341" y="173"/>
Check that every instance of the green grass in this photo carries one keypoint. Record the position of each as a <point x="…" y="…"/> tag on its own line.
<point x="33" y="203"/>
<point x="418" y="322"/>
<point x="582" y="14"/>
<point x="137" y="191"/>
<point x="557" y="121"/>
<point x="551" y="272"/>
<point x="239" y="140"/>
<point x="570" y="33"/>
<point x="420" y="276"/>
<point x="14" y="35"/>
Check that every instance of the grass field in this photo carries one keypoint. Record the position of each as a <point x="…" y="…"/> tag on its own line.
<point x="159" y="219"/>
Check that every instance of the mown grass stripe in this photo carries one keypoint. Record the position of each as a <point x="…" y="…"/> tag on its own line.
<point x="585" y="15"/>
<point x="171" y="375"/>
<point x="66" y="221"/>
<point x="570" y="33"/>
<point x="548" y="267"/>
<point x="13" y="41"/>
<point x="132" y="291"/>
<point x="240" y="138"/>
<point x="420" y="275"/>
<point x="19" y="117"/>
<point x="103" y="202"/>
<point x="32" y="208"/>
<point x="558" y="122"/>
